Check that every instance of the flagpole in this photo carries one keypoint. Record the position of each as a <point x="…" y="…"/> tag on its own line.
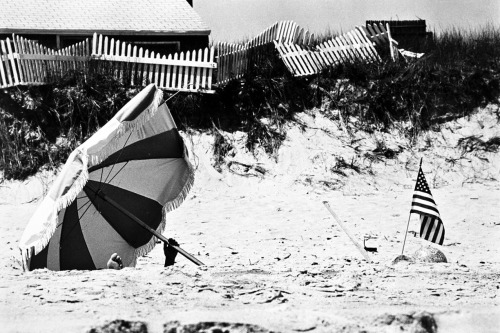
<point x="406" y="233"/>
<point x="409" y="216"/>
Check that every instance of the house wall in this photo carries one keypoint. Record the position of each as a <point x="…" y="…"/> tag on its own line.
<point x="159" y="44"/>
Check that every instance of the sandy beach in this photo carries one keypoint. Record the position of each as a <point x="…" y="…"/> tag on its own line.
<point x="276" y="260"/>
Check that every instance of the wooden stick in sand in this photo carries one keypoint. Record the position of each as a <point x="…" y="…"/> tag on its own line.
<point x="360" y="248"/>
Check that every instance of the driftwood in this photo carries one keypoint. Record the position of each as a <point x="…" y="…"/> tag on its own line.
<point x="247" y="168"/>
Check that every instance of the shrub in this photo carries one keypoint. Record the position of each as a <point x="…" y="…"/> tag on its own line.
<point x="41" y="125"/>
<point x="460" y="73"/>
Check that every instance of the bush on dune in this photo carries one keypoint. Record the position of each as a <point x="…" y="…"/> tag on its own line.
<point x="40" y="126"/>
<point x="460" y="72"/>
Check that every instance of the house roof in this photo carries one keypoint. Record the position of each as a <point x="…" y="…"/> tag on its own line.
<point x="77" y="17"/>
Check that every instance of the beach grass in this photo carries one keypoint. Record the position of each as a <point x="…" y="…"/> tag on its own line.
<point x="460" y="71"/>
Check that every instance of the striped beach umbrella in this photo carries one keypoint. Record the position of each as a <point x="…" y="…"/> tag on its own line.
<point x="113" y="192"/>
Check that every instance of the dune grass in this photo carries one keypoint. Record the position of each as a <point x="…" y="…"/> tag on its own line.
<point x="460" y="71"/>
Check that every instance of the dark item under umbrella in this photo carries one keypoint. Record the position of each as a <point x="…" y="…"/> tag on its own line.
<point x="113" y="193"/>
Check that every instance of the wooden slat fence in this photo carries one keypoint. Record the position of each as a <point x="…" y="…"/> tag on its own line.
<point x="352" y="46"/>
<point x="381" y="36"/>
<point x="30" y="63"/>
<point x="300" y="61"/>
<point x="283" y="32"/>
<point x="191" y="71"/>
<point x="23" y="61"/>
<point x="26" y="62"/>
<point x="294" y="46"/>
<point x="9" y="72"/>
<point x="76" y="57"/>
<point x="233" y="60"/>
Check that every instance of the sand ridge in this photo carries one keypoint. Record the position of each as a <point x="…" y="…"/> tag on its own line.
<point x="275" y="257"/>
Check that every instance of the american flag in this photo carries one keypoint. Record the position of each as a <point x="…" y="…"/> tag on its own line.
<point x="431" y="227"/>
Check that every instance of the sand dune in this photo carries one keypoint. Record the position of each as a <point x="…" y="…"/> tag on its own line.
<point x="275" y="258"/>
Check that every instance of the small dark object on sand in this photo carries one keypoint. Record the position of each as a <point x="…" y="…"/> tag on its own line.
<point x="402" y="257"/>
<point x="429" y="254"/>
<point x="170" y="252"/>
<point x="367" y="248"/>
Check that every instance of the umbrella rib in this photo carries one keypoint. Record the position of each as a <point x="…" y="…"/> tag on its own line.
<point x="61" y="241"/>
<point x="89" y="202"/>
<point x="113" y="165"/>
<point x="80" y="216"/>
<point x="83" y="206"/>
<point x="123" y="166"/>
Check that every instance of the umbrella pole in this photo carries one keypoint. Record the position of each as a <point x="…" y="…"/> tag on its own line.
<point x="103" y="196"/>
<point x="361" y="250"/>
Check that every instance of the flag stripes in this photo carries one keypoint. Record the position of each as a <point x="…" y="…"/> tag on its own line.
<point x="420" y="208"/>
<point x="431" y="229"/>
<point x="431" y="226"/>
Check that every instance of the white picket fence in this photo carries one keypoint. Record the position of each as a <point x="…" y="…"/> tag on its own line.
<point x="355" y="45"/>
<point x="8" y="71"/>
<point x="25" y="62"/>
<point x="283" y="32"/>
<point x="190" y="71"/>
<point x="295" y="47"/>
<point x="300" y="61"/>
<point x="349" y="47"/>
<point x="381" y="36"/>
<point x="233" y="60"/>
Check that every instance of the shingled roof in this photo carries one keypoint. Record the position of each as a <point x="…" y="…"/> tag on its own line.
<point x="77" y="17"/>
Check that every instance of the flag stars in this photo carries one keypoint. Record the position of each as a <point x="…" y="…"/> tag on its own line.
<point x="421" y="184"/>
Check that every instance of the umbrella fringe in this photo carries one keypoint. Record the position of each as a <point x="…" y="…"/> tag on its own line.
<point x="169" y="206"/>
<point x="59" y="204"/>
<point x="78" y="186"/>
<point x="125" y="127"/>
<point x="174" y="204"/>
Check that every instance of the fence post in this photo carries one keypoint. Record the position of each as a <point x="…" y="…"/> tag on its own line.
<point x="210" y="70"/>
<point x="3" y="82"/>
<point x="8" y="71"/>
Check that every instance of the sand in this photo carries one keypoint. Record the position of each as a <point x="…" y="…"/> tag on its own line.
<point x="276" y="259"/>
